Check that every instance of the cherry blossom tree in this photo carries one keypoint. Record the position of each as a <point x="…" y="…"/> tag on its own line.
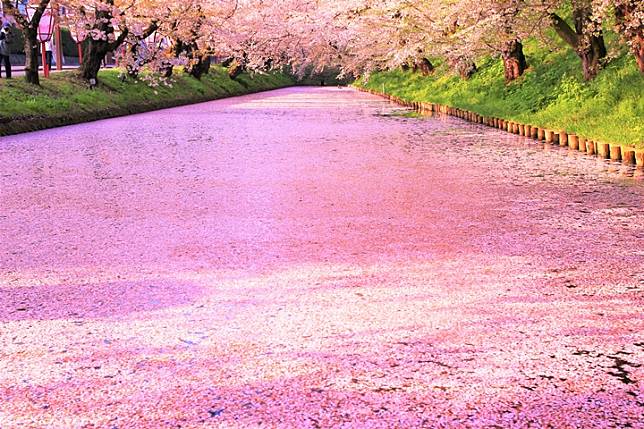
<point x="629" y="16"/>
<point x="28" y="20"/>
<point x="585" y="36"/>
<point x="105" y="22"/>
<point x="355" y="36"/>
<point x="492" y="27"/>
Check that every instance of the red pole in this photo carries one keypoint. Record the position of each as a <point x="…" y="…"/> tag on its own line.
<point x="45" y="66"/>
<point x="59" y="49"/>
<point x="80" y="52"/>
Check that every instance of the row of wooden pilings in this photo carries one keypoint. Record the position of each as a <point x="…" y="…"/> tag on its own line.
<point x="615" y="152"/>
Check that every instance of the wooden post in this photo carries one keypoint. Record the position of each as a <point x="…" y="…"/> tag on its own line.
<point x="59" y="49"/>
<point x="534" y="132"/>
<point x="573" y="142"/>
<point x="628" y="156"/>
<point x="603" y="150"/>
<point x="639" y="158"/>
<point x="45" y="65"/>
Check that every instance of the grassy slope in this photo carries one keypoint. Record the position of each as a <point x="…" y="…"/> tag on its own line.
<point x="65" y="99"/>
<point x="551" y="94"/>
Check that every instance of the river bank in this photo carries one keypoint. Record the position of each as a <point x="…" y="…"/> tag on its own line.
<point x="64" y="99"/>
<point x="629" y="155"/>
<point x="550" y="95"/>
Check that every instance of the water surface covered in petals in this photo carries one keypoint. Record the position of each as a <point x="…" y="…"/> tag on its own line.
<point x="309" y="257"/>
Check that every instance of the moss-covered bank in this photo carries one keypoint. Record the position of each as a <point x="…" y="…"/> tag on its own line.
<point x="552" y="94"/>
<point x="64" y="99"/>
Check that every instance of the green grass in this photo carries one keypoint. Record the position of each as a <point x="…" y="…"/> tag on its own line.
<point x="66" y="99"/>
<point x="551" y="94"/>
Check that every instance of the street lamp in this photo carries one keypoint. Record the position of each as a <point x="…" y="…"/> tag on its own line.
<point x="45" y="27"/>
<point x="60" y="11"/>
<point x="45" y="31"/>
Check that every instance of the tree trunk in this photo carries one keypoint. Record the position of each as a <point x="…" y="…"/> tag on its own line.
<point x="31" y="55"/>
<point x="624" y="13"/>
<point x="177" y="50"/>
<point x="206" y="63"/>
<point x="134" y="68"/>
<point x="167" y="70"/>
<point x="589" y="47"/>
<point x="235" y="69"/>
<point x="425" y="66"/>
<point x="98" y="49"/>
<point x="638" y="50"/>
<point x="199" y="67"/>
<point x="467" y="70"/>
<point x="228" y="62"/>
<point x="514" y="62"/>
<point x="29" y="26"/>
<point x="592" y="56"/>
<point x="198" y="64"/>
<point x="93" y="59"/>
<point x="134" y="50"/>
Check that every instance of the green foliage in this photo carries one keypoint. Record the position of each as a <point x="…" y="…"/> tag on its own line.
<point x="551" y="94"/>
<point x="64" y="95"/>
<point x="17" y="41"/>
<point x="69" y="45"/>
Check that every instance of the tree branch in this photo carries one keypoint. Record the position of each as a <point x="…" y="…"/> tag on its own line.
<point x="119" y="41"/>
<point x="564" y="31"/>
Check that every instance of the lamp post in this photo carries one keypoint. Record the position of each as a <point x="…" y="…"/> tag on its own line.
<point x="45" y="31"/>
<point x="45" y="28"/>
<point x="59" y="40"/>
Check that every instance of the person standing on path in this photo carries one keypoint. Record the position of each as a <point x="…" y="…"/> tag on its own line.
<point x="5" y="50"/>
<point x="49" y="55"/>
